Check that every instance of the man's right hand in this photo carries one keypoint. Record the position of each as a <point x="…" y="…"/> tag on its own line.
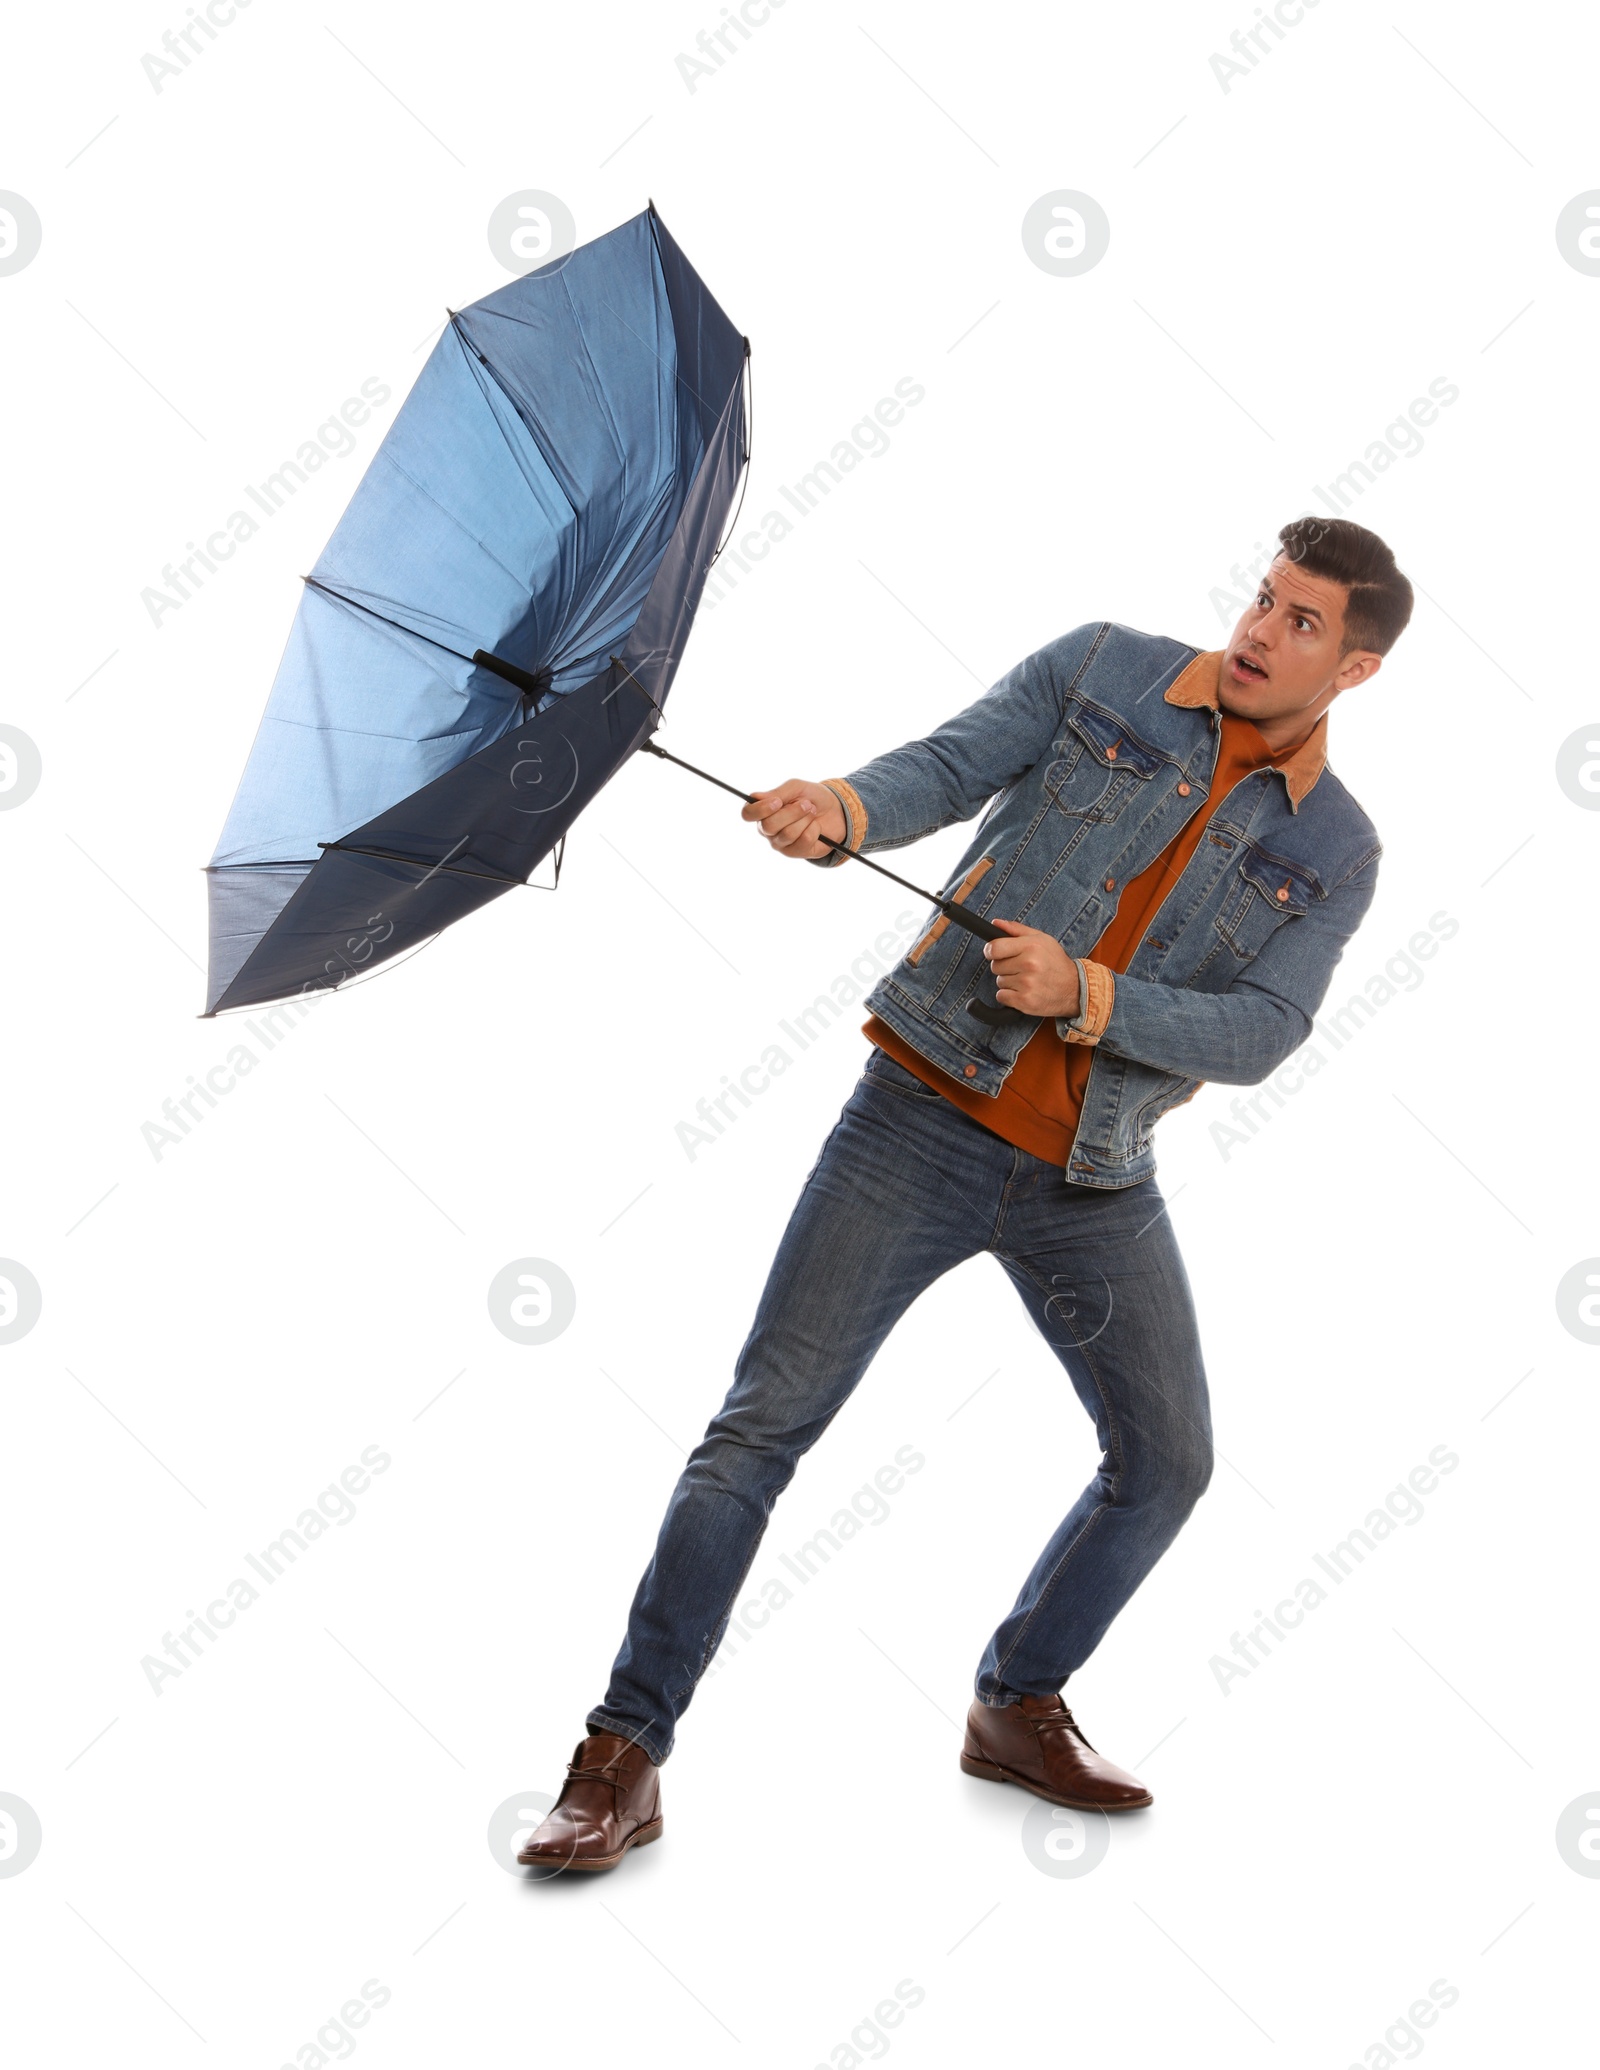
<point x="795" y="814"/>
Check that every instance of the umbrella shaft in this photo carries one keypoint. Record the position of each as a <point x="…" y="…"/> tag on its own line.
<point x="973" y="923"/>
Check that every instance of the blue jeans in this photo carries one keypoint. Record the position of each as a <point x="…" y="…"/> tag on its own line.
<point x="905" y="1187"/>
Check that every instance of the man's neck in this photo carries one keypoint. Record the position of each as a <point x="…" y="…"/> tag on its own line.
<point x="1289" y="730"/>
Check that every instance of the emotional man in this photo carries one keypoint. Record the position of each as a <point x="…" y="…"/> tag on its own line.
<point x="1174" y="871"/>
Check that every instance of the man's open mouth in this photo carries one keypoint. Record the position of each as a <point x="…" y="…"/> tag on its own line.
<point x="1252" y="671"/>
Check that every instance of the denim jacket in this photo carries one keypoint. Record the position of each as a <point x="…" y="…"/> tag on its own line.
<point x="1090" y="755"/>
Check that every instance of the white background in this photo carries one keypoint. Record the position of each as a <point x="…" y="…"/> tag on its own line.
<point x="226" y="1326"/>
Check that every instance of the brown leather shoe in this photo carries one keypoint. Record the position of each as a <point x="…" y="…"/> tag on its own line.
<point x="1036" y="1743"/>
<point x="610" y="1801"/>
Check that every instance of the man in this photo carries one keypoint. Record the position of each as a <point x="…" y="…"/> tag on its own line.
<point x="1174" y="871"/>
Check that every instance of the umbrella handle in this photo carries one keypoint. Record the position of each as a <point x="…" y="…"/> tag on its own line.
<point x="992" y="1016"/>
<point x="996" y="1016"/>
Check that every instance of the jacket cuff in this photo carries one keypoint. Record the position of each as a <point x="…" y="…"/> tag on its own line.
<point x="855" y="821"/>
<point x="1097" y="991"/>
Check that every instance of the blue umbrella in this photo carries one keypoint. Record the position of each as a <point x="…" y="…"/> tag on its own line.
<point x="496" y="621"/>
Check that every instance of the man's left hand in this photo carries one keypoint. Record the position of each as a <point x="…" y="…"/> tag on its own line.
<point x="1033" y="972"/>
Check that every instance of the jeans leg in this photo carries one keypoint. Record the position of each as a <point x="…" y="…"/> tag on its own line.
<point x="906" y="1187"/>
<point x="1102" y="1277"/>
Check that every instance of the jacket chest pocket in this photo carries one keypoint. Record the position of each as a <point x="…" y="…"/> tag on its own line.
<point x="1261" y="896"/>
<point x="1102" y="766"/>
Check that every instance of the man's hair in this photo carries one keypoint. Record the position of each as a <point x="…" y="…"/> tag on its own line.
<point x="1378" y="607"/>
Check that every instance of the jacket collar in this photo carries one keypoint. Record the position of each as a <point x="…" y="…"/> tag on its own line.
<point x="1199" y="684"/>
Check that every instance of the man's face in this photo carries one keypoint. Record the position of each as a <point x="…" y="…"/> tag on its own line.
<point x="1283" y="657"/>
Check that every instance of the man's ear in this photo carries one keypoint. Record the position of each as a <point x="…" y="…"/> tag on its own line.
<point x="1358" y="666"/>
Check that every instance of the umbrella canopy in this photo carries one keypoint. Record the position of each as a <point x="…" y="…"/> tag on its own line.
<point x="496" y="621"/>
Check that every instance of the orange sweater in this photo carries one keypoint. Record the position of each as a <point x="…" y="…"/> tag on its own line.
<point x="1037" y="1108"/>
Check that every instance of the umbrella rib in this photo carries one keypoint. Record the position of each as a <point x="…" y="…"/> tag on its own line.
<point x="470" y="659"/>
<point x="418" y="862"/>
<point x="355" y="604"/>
<point x="747" y="383"/>
<point x="618" y="662"/>
<point x="469" y="345"/>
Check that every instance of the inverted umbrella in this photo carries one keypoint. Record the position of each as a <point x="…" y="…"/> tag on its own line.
<point x="496" y="621"/>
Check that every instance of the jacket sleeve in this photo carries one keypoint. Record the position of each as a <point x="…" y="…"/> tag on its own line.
<point x="953" y="772"/>
<point x="1242" y="1035"/>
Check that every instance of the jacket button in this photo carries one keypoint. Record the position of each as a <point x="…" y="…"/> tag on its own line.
<point x="1111" y="752"/>
<point x="1183" y="790"/>
<point x="972" y="1070"/>
<point x="1111" y="884"/>
<point x="1283" y="894"/>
